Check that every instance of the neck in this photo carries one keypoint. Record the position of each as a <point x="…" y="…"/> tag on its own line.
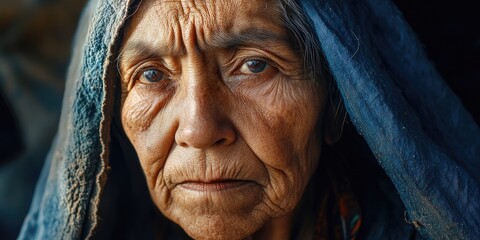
<point x="301" y="221"/>
<point x="277" y="228"/>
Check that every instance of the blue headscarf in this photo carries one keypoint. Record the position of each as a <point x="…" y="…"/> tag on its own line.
<point x="415" y="126"/>
<point x="418" y="130"/>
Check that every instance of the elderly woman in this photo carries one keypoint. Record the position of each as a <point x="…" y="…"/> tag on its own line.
<point x="219" y="120"/>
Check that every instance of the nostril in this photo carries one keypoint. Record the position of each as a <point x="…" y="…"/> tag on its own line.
<point x="207" y="135"/>
<point x="221" y="141"/>
<point x="203" y="127"/>
<point x="182" y="144"/>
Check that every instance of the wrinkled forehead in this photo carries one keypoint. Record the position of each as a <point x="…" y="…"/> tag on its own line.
<point x="177" y="23"/>
<point x="222" y="13"/>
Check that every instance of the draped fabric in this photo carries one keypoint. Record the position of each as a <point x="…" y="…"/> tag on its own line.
<point x="416" y="128"/>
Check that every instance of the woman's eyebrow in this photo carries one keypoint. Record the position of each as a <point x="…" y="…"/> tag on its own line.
<point x="256" y="37"/>
<point x="143" y="50"/>
<point x="250" y="36"/>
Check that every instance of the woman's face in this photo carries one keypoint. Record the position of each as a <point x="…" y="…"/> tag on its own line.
<point x="214" y="103"/>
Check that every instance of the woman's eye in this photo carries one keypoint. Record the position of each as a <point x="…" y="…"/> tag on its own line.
<point x="253" y="66"/>
<point x="152" y="76"/>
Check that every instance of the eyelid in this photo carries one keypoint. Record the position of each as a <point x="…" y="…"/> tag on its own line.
<point x="245" y="65"/>
<point x="238" y="59"/>
<point x="240" y="62"/>
<point x="159" y="76"/>
<point x="148" y="65"/>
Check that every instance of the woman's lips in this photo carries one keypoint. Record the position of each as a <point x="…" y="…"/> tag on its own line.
<point x="215" y="186"/>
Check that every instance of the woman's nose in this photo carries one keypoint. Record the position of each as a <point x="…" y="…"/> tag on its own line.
<point x="203" y="121"/>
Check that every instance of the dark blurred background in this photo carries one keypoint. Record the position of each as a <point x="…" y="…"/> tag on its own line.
<point x="35" y="39"/>
<point x="35" y="45"/>
<point x="450" y="32"/>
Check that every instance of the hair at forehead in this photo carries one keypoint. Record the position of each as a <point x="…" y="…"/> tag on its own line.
<point x="303" y="35"/>
<point x="303" y="38"/>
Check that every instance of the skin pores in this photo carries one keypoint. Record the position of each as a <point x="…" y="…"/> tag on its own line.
<point x="215" y="105"/>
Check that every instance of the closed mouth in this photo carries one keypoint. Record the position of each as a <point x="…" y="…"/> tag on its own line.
<point x="215" y="185"/>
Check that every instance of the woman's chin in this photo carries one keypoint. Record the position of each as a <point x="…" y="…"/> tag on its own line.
<point x="220" y="227"/>
<point x="227" y="210"/>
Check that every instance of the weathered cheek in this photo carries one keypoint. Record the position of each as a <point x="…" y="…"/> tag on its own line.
<point x="301" y="111"/>
<point x="292" y="111"/>
<point x="134" y="117"/>
<point x="138" y="112"/>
